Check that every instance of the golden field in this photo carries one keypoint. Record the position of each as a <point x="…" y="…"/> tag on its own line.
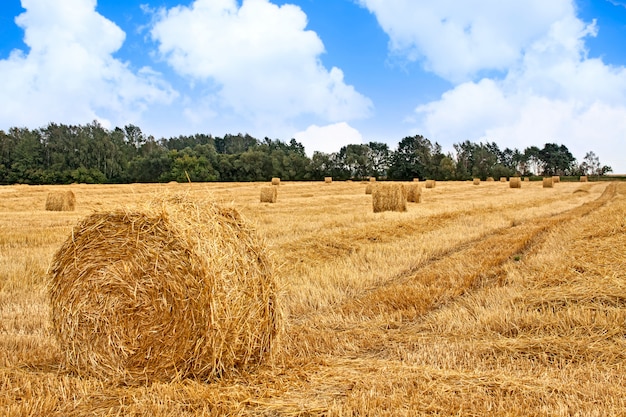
<point x="480" y="300"/>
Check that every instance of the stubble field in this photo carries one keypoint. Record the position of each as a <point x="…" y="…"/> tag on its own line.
<point x="481" y="300"/>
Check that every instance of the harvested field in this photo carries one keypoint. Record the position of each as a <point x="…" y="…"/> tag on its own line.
<point x="478" y="301"/>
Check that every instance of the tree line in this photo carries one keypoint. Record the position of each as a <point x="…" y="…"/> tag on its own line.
<point x="63" y="154"/>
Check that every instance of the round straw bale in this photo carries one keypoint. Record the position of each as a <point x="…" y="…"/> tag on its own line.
<point x="503" y="179"/>
<point x="416" y="180"/>
<point x="269" y="194"/>
<point x="275" y="181"/>
<point x="547" y="182"/>
<point x="372" y="179"/>
<point x="515" y="182"/>
<point x="526" y="179"/>
<point x="368" y="188"/>
<point x="413" y="193"/>
<point x="389" y="197"/>
<point x="556" y="179"/>
<point x="430" y="183"/>
<point x="328" y="180"/>
<point x="61" y="201"/>
<point x="583" y="178"/>
<point x="179" y="289"/>
<point x="490" y="179"/>
<point x="476" y="181"/>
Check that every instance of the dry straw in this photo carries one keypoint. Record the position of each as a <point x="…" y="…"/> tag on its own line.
<point x="503" y="179"/>
<point x="61" y="201"/>
<point x="369" y="187"/>
<point x="179" y="289"/>
<point x="476" y="181"/>
<point x="269" y="194"/>
<point x="328" y="180"/>
<point x="547" y="182"/>
<point x="556" y="179"/>
<point x="526" y="179"/>
<point x="414" y="193"/>
<point x="490" y="179"/>
<point x="372" y="179"/>
<point x="430" y="183"/>
<point x="389" y="197"/>
<point x="416" y="180"/>
<point x="583" y="178"/>
<point x="515" y="182"/>
<point x="275" y="181"/>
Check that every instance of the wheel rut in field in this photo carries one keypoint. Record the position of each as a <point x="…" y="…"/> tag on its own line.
<point x="347" y="326"/>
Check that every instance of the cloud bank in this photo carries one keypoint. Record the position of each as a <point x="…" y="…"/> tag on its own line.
<point x="521" y="71"/>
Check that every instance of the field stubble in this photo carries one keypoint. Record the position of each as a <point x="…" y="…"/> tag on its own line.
<point x="479" y="300"/>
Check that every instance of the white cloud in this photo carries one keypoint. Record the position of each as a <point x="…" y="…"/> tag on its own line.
<point x="69" y="74"/>
<point x="260" y="60"/>
<point x="329" y="138"/>
<point x="456" y="40"/>
<point x="548" y="89"/>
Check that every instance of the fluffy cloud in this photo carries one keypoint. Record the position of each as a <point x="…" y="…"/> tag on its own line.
<point x="69" y="74"/>
<point x="259" y="59"/>
<point x="456" y="40"/>
<point x="549" y="91"/>
<point x="329" y="138"/>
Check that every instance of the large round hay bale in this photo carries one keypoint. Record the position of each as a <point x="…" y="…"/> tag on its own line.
<point x="490" y="179"/>
<point x="503" y="179"/>
<point x="179" y="289"/>
<point x="476" y="181"/>
<point x="275" y="181"/>
<point x="430" y="183"/>
<point x="583" y="178"/>
<point x="269" y="194"/>
<point x="61" y="201"/>
<point x="556" y="179"/>
<point x="515" y="182"/>
<point x="413" y="193"/>
<point x="389" y="197"/>
<point x="372" y="179"/>
<point x="547" y="182"/>
<point x="328" y="180"/>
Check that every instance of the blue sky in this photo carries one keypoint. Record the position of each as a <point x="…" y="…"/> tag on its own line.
<point x="327" y="72"/>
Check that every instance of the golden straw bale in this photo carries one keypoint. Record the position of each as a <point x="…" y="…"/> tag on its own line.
<point x="503" y="179"/>
<point x="490" y="179"/>
<point x="372" y="179"/>
<point x="526" y="179"/>
<point x="416" y="180"/>
<point x="61" y="201"/>
<point x="414" y="193"/>
<point x="389" y="197"/>
<point x="328" y="180"/>
<point x="275" y="181"/>
<point x="547" y="182"/>
<point x="368" y="188"/>
<point x="515" y="182"/>
<point x="430" y="183"/>
<point x="583" y="178"/>
<point x="180" y="288"/>
<point x="476" y="181"/>
<point x="556" y="179"/>
<point x="269" y="194"/>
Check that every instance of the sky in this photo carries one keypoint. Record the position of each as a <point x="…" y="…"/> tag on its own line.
<point x="325" y="72"/>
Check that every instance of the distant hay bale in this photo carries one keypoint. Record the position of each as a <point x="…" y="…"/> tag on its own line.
<point x="275" y="181"/>
<point x="503" y="179"/>
<point x="60" y="201"/>
<point x="556" y="179"/>
<point x="368" y="188"/>
<point x="328" y="180"/>
<point x="583" y="178"/>
<point x="547" y="182"/>
<point x="490" y="179"/>
<point x="269" y="194"/>
<point x="179" y="289"/>
<point x="476" y="181"/>
<point x="414" y="193"/>
<point x="515" y="182"/>
<point x="372" y="179"/>
<point x="526" y="179"/>
<point x="416" y="180"/>
<point x="430" y="184"/>
<point x="389" y="197"/>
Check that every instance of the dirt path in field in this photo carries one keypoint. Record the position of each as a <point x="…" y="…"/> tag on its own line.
<point x="359" y="323"/>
